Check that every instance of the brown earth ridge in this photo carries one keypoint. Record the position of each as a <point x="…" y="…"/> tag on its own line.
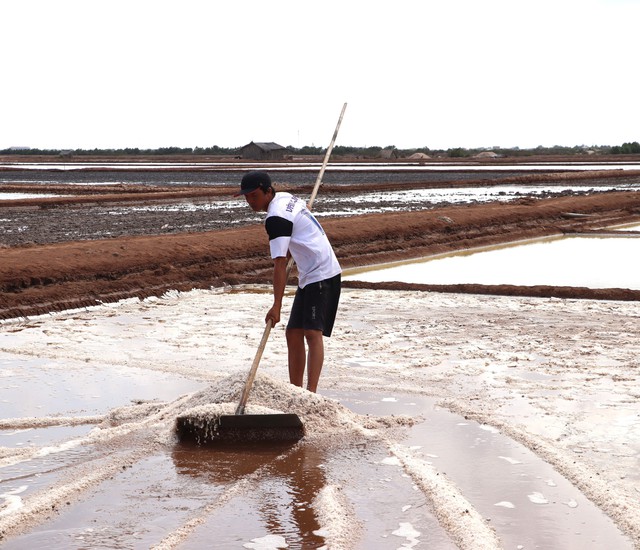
<point x="55" y="276"/>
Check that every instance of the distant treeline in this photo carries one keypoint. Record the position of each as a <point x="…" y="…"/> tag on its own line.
<point x="341" y="150"/>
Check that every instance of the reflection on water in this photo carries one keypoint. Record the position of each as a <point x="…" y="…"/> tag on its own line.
<point x="592" y="262"/>
<point x="292" y="475"/>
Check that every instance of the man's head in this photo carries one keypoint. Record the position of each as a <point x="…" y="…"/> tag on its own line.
<point x="255" y="187"/>
<point x="254" y="180"/>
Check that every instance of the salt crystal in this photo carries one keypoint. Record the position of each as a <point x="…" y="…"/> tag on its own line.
<point x="505" y="504"/>
<point x="270" y="542"/>
<point x="538" y="498"/>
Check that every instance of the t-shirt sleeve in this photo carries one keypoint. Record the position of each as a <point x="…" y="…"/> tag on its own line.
<point x="278" y="227"/>
<point x="279" y="231"/>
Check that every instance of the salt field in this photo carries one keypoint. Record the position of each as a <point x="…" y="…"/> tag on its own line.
<point x="442" y="420"/>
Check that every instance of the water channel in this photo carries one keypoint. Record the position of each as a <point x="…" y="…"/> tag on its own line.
<point x="600" y="261"/>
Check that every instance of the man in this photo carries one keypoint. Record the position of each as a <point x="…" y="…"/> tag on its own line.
<point x="293" y="231"/>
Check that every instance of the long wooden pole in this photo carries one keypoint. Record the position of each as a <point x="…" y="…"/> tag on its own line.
<point x="326" y="159"/>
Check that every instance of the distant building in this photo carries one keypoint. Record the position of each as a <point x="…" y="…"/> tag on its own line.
<point x="264" y="151"/>
<point x="389" y="153"/>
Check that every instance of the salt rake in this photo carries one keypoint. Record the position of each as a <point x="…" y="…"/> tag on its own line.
<point x="242" y="427"/>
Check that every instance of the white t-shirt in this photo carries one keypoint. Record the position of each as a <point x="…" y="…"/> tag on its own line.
<point x="291" y="227"/>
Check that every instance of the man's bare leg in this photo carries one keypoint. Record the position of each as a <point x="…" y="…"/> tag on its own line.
<point x="297" y="355"/>
<point x="315" y="358"/>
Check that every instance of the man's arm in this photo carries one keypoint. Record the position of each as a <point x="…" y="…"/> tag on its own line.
<point x="279" y="285"/>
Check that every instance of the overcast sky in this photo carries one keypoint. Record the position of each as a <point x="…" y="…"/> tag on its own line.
<point x="188" y="73"/>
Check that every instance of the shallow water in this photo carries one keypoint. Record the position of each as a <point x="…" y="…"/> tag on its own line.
<point x="521" y="497"/>
<point x="18" y="196"/>
<point x="631" y="227"/>
<point x="68" y="387"/>
<point x="502" y="479"/>
<point x="592" y="262"/>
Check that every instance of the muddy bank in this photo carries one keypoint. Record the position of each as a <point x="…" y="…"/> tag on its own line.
<point x="42" y="278"/>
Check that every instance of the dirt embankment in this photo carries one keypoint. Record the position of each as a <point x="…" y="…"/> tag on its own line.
<point x="50" y="277"/>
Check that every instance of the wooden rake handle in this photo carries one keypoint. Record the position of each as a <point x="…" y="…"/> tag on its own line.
<point x="256" y="360"/>
<point x="254" y="368"/>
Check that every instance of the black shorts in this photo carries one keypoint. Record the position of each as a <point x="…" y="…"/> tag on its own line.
<point x="315" y="306"/>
